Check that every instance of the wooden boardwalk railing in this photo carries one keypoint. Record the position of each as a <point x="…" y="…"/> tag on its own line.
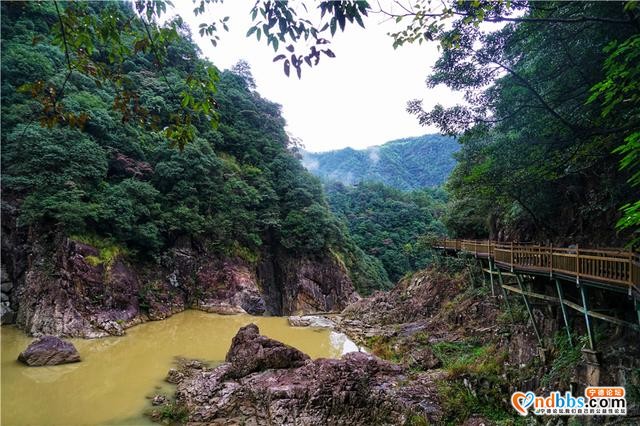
<point x="607" y="266"/>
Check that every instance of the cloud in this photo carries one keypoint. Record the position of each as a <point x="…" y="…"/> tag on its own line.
<point x="374" y="155"/>
<point x="357" y="99"/>
<point x="310" y="163"/>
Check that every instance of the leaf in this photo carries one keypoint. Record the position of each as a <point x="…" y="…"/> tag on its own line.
<point x="287" y="67"/>
<point x="329" y="53"/>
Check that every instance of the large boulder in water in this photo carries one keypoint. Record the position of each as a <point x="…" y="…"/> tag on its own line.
<point x="49" y="350"/>
<point x="251" y="352"/>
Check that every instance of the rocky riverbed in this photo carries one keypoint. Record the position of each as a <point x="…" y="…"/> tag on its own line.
<point x="442" y="351"/>
<point x="263" y="381"/>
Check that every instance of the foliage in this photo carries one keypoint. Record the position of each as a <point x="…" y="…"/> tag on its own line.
<point x="236" y="189"/>
<point x="108" y="250"/>
<point x="566" y="359"/>
<point x="411" y="163"/>
<point x="171" y="413"/>
<point x="460" y="403"/>
<point x="619" y="93"/>
<point x="460" y="358"/>
<point x="549" y="95"/>
<point x="482" y="365"/>
<point x="389" y="224"/>
<point x="383" y="347"/>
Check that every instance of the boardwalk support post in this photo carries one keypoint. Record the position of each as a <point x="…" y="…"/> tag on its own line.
<point x="564" y="311"/>
<point x="528" y="306"/>
<point x="484" y="277"/>
<point x="493" y="291"/>
<point x="504" y="294"/>
<point x="585" y="309"/>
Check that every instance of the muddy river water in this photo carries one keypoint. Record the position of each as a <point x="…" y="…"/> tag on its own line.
<point x="117" y="374"/>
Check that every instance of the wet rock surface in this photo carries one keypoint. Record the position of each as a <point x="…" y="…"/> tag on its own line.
<point x="285" y="387"/>
<point x="49" y="350"/>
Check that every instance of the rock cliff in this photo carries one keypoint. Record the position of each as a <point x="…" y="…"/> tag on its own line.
<point x="53" y="284"/>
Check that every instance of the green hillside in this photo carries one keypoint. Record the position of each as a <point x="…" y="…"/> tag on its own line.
<point x="410" y="163"/>
<point x="391" y="225"/>
<point x="98" y="174"/>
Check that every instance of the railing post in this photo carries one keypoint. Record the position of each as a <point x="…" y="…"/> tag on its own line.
<point x="550" y="260"/>
<point x="630" y="268"/>
<point x="511" y="256"/>
<point x="577" y="264"/>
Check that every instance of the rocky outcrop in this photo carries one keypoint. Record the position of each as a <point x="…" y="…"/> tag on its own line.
<point x="251" y="352"/>
<point x="55" y="285"/>
<point x="294" y="284"/>
<point x="438" y="320"/>
<point x="289" y="389"/>
<point x="7" y="314"/>
<point x="49" y="350"/>
<point x="121" y="165"/>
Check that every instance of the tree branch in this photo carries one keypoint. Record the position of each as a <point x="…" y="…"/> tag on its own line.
<point x="64" y="36"/>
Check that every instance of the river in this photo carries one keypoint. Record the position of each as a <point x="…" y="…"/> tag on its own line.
<point x="117" y="374"/>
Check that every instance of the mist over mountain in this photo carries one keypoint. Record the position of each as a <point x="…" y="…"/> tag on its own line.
<point x="409" y="163"/>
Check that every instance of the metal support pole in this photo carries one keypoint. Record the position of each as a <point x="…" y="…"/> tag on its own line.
<point x="504" y="294"/>
<point x="493" y="291"/>
<point x="564" y="311"/>
<point x="585" y="309"/>
<point x="528" y="306"/>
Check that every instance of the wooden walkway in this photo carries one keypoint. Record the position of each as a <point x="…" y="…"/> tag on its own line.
<point x="612" y="267"/>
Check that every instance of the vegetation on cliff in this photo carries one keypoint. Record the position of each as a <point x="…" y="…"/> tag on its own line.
<point x="94" y="170"/>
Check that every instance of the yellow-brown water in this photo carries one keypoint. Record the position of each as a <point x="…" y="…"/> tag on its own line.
<point x="111" y="384"/>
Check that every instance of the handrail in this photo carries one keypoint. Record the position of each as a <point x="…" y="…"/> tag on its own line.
<point x="609" y="265"/>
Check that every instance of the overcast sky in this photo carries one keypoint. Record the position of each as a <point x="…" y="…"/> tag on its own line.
<point x="357" y="99"/>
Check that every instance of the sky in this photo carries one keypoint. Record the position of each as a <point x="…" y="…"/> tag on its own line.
<point x="356" y="99"/>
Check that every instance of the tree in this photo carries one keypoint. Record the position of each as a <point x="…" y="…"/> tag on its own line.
<point x="100" y="40"/>
<point x="531" y="140"/>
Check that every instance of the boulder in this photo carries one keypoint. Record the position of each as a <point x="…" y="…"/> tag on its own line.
<point x="280" y="386"/>
<point x="159" y="400"/>
<point x="174" y="376"/>
<point x="311" y="321"/>
<point x="49" y="350"/>
<point x="424" y="359"/>
<point x="251" y="352"/>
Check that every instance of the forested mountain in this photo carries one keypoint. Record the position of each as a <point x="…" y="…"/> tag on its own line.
<point x="410" y="163"/>
<point x="96" y="174"/>
<point x="394" y="226"/>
